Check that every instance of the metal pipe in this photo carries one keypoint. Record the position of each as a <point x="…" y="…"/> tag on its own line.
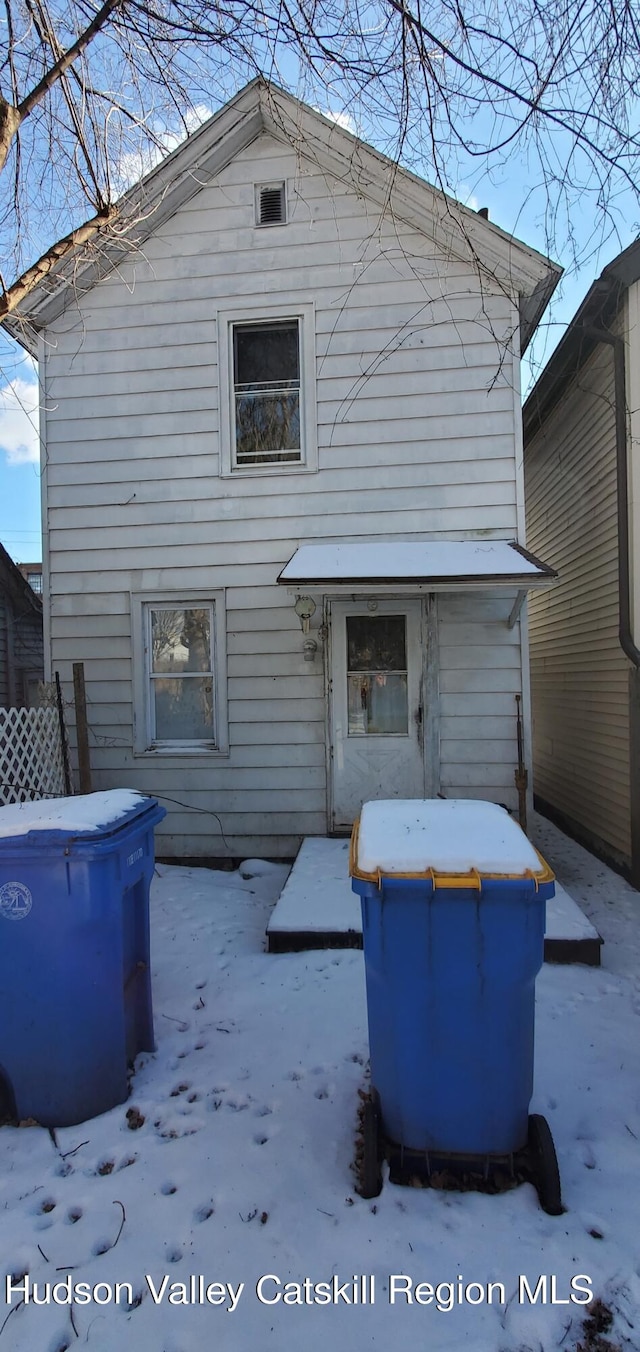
<point x="521" y="775"/>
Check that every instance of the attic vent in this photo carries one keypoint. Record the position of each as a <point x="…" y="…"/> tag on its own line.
<point x="271" y="204"/>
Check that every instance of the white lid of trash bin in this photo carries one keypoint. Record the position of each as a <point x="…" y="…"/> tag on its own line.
<point x="415" y="836"/>
<point x="83" y="812"/>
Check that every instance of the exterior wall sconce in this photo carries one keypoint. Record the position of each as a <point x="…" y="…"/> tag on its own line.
<point x="305" y="607"/>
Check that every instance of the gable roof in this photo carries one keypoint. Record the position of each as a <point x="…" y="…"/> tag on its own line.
<point x="598" y="310"/>
<point x="263" y="107"/>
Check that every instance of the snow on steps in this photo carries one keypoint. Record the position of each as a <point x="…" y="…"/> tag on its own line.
<point x="317" y="909"/>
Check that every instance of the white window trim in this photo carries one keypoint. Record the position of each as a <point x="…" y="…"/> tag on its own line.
<point x="305" y="314"/>
<point x="143" y="743"/>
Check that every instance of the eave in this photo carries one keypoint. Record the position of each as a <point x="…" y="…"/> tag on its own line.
<point x="597" y="311"/>
<point x="458" y="232"/>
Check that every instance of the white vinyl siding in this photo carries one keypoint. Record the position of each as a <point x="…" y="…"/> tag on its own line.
<point x="480" y="676"/>
<point x="579" y="673"/>
<point x="413" y="381"/>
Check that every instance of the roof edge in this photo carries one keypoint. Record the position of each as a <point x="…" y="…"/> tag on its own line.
<point x="599" y="307"/>
<point x="262" y="106"/>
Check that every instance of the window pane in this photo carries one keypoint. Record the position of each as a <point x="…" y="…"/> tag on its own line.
<point x="183" y="708"/>
<point x="376" y="643"/>
<point x="267" y="425"/>
<point x="377" y="704"/>
<point x="264" y="353"/>
<point x="180" y="640"/>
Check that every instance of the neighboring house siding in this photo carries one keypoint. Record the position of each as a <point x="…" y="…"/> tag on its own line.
<point x="579" y="674"/>
<point x="28" y="656"/>
<point x="415" y="413"/>
<point x="21" y="642"/>
<point x="4" y="654"/>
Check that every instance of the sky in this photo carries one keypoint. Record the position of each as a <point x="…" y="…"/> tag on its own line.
<point x="513" y="203"/>
<point x="20" y="530"/>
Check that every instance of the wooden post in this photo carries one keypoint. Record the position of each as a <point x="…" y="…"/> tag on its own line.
<point x="82" y="728"/>
<point x="63" y="737"/>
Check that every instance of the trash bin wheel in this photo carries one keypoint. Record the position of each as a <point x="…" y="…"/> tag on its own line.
<point x="370" y="1171"/>
<point x="546" y="1175"/>
<point x="7" y="1101"/>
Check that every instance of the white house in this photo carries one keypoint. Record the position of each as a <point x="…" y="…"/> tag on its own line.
<point x="283" y="489"/>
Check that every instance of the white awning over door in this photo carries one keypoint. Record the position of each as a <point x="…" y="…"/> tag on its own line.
<point x="431" y="565"/>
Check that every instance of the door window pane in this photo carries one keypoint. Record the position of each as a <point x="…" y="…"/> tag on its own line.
<point x="377" y="675"/>
<point x="376" y="643"/>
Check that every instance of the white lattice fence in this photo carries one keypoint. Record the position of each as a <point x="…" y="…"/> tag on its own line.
<point x="31" y="758"/>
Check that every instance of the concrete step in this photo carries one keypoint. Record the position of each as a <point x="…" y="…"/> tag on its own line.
<point x="317" y="909"/>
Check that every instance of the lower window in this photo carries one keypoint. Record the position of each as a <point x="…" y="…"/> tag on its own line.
<point x="181" y="683"/>
<point x="181" y="674"/>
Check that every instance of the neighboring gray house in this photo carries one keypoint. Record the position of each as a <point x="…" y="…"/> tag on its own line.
<point x="21" y="649"/>
<point x="33" y="574"/>
<point x="582" y="480"/>
<point x="283" y="489"/>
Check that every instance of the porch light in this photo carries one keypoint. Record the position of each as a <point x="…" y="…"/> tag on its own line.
<point x="305" y="607"/>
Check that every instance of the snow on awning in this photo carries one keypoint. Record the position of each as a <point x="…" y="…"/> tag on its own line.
<point x="432" y="563"/>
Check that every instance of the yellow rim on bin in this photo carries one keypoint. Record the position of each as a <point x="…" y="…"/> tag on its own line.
<point x="472" y="879"/>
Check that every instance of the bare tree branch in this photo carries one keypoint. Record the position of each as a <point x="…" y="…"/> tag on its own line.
<point x="89" y="96"/>
<point x="12" y="116"/>
<point x="13" y="294"/>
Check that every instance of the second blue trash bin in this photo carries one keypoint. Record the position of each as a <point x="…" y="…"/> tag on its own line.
<point x="453" y="907"/>
<point x="75" y="990"/>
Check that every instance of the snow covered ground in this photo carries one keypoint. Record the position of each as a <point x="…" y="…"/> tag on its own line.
<point x="242" y="1165"/>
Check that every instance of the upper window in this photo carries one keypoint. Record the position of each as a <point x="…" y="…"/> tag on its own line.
<point x="266" y="383"/>
<point x="267" y="390"/>
<point x="181" y="678"/>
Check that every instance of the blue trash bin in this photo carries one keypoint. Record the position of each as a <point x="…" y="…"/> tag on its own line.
<point x="75" y="988"/>
<point x="451" y="956"/>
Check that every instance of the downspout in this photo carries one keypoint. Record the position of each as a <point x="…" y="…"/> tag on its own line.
<point x="625" y="631"/>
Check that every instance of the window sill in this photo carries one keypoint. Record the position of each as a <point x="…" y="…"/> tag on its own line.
<point x="253" y="471"/>
<point x="164" y="749"/>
